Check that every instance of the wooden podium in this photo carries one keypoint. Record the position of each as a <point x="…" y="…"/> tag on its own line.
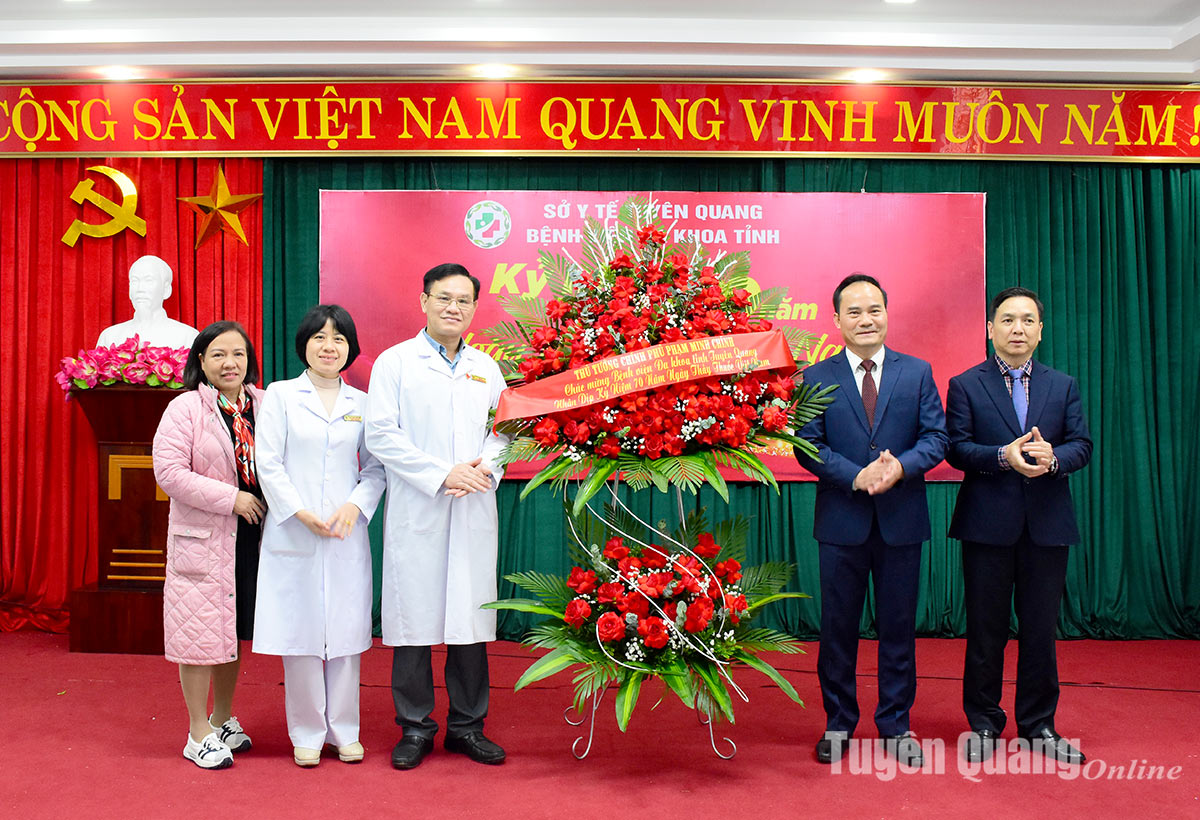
<point x="122" y="611"/>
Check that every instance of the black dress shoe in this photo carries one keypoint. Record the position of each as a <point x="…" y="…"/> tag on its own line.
<point x="906" y="750"/>
<point x="477" y="747"/>
<point x="1052" y="745"/>
<point x="981" y="743"/>
<point x="831" y="747"/>
<point x="410" y="751"/>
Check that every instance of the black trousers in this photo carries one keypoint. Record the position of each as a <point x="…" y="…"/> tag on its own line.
<point x="895" y="572"/>
<point x="1032" y="577"/>
<point x="466" y="687"/>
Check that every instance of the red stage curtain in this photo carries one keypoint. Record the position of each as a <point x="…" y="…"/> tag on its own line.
<point x="55" y="300"/>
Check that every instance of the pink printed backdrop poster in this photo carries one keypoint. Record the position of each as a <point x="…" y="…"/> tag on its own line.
<point x="927" y="250"/>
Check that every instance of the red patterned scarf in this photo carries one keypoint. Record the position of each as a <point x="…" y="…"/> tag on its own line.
<point x="243" y="435"/>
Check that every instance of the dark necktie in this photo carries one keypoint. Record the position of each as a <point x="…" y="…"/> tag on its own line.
<point x="1020" y="400"/>
<point x="869" y="392"/>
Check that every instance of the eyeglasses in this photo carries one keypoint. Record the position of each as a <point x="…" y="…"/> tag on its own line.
<point x="443" y="301"/>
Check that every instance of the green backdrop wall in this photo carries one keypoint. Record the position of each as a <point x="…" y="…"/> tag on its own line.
<point x="1111" y="249"/>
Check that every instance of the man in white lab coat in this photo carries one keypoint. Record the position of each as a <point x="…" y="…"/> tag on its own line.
<point x="427" y="421"/>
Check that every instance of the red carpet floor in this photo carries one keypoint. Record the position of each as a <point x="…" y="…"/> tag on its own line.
<point x="101" y="736"/>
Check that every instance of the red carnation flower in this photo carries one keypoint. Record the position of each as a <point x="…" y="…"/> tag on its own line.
<point x="654" y="557"/>
<point x="615" y="548"/>
<point x="653" y="632"/>
<point x="610" y="627"/>
<point x="577" y="612"/>
<point x="609" y="447"/>
<point x="774" y="418"/>
<point x="729" y="571"/>
<point x="782" y="387"/>
<point x="546" y="432"/>
<point x="699" y="613"/>
<point x="634" y="602"/>
<point x="609" y="593"/>
<point x="706" y="547"/>
<point x="622" y="260"/>
<point x="581" y="580"/>
<point x="628" y="566"/>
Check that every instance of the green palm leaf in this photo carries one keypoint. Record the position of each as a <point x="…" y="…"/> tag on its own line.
<point x="765" y="579"/>
<point x="799" y="341"/>
<point x="811" y="401"/>
<point x="708" y="463"/>
<point x="689" y="530"/>
<point x="713" y="691"/>
<point x="522" y="605"/>
<point x="590" y="681"/>
<point x="558" y="271"/>
<point x="755" y="662"/>
<point x="627" y="697"/>
<point x="733" y="269"/>
<point x="601" y="471"/>
<point x="552" y="590"/>
<point x="521" y="448"/>
<point x="761" y="639"/>
<point x="559" y="467"/>
<point x="675" y="676"/>
<point x="529" y="311"/>
<point x="594" y="248"/>
<point x="778" y="596"/>
<point x="765" y="304"/>
<point x="549" y="664"/>
<point x="686" y="472"/>
<point x="747" y="463"/>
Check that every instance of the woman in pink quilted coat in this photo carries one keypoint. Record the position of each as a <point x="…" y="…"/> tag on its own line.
<point x="204" y="460"/>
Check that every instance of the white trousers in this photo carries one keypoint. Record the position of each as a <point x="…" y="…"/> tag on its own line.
<point x="321" y="698"/>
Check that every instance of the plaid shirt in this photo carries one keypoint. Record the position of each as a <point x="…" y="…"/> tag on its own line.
<point x="1027" y="368"/>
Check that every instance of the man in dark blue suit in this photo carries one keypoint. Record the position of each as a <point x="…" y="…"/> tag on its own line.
<point x="1017" y="431"/>
<point x="883" y="432"/>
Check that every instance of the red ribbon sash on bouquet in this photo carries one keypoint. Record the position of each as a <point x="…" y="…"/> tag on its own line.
<point x="645" y="369"/>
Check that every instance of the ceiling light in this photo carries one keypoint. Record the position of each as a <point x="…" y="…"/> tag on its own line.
<point x="495" y="71"/>
<point x="118" y="72"/>
<point x="866" y="75"/>
<point x="900" y="2"/>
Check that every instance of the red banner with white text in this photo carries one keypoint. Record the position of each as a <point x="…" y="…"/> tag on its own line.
<point x="926" y="249"/>
<point x="646" y="369"/>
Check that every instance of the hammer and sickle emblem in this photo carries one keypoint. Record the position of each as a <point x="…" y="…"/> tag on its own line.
<point x="123" y="215"/>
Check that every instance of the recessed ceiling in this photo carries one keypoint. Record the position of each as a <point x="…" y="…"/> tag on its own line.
<point x="1105" y="41"/>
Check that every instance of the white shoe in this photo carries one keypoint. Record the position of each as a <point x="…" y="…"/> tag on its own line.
<point x="230" y="733"/>
<point x="351" y="752"/>
<point x="209" y="753"/>
<point x="306" y="757"/>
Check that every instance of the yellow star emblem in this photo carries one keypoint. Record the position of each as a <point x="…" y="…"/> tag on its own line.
<point x="219" y="209"/>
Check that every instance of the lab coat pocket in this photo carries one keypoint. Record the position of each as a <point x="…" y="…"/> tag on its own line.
<point x="289" y="537"/>
<point x="190" y="551"/>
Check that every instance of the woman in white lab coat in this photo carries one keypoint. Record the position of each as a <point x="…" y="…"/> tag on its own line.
<point x="314" y="578"/>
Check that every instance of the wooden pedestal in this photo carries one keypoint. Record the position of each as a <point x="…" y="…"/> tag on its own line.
<point x="122" y="611"/>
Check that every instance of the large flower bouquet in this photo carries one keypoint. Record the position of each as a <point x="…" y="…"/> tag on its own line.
<point x="678" y="608"/>
<point x="129" y="362"/>
<point x="641" y="601"/>
<point x="632" y="291"/>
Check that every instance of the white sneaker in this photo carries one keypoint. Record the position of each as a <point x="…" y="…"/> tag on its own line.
<point x="209" y="753"/>
<point x="230" y="733"/>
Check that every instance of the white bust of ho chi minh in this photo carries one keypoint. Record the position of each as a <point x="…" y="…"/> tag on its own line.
<point x="149" y="286"/>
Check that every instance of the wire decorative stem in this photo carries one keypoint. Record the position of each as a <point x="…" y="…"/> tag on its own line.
<point x="706" y="720"/>
<point x="596" y="698"/>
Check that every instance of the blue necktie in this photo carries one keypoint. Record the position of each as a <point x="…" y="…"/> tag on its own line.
<point x="1019" y="399"/>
